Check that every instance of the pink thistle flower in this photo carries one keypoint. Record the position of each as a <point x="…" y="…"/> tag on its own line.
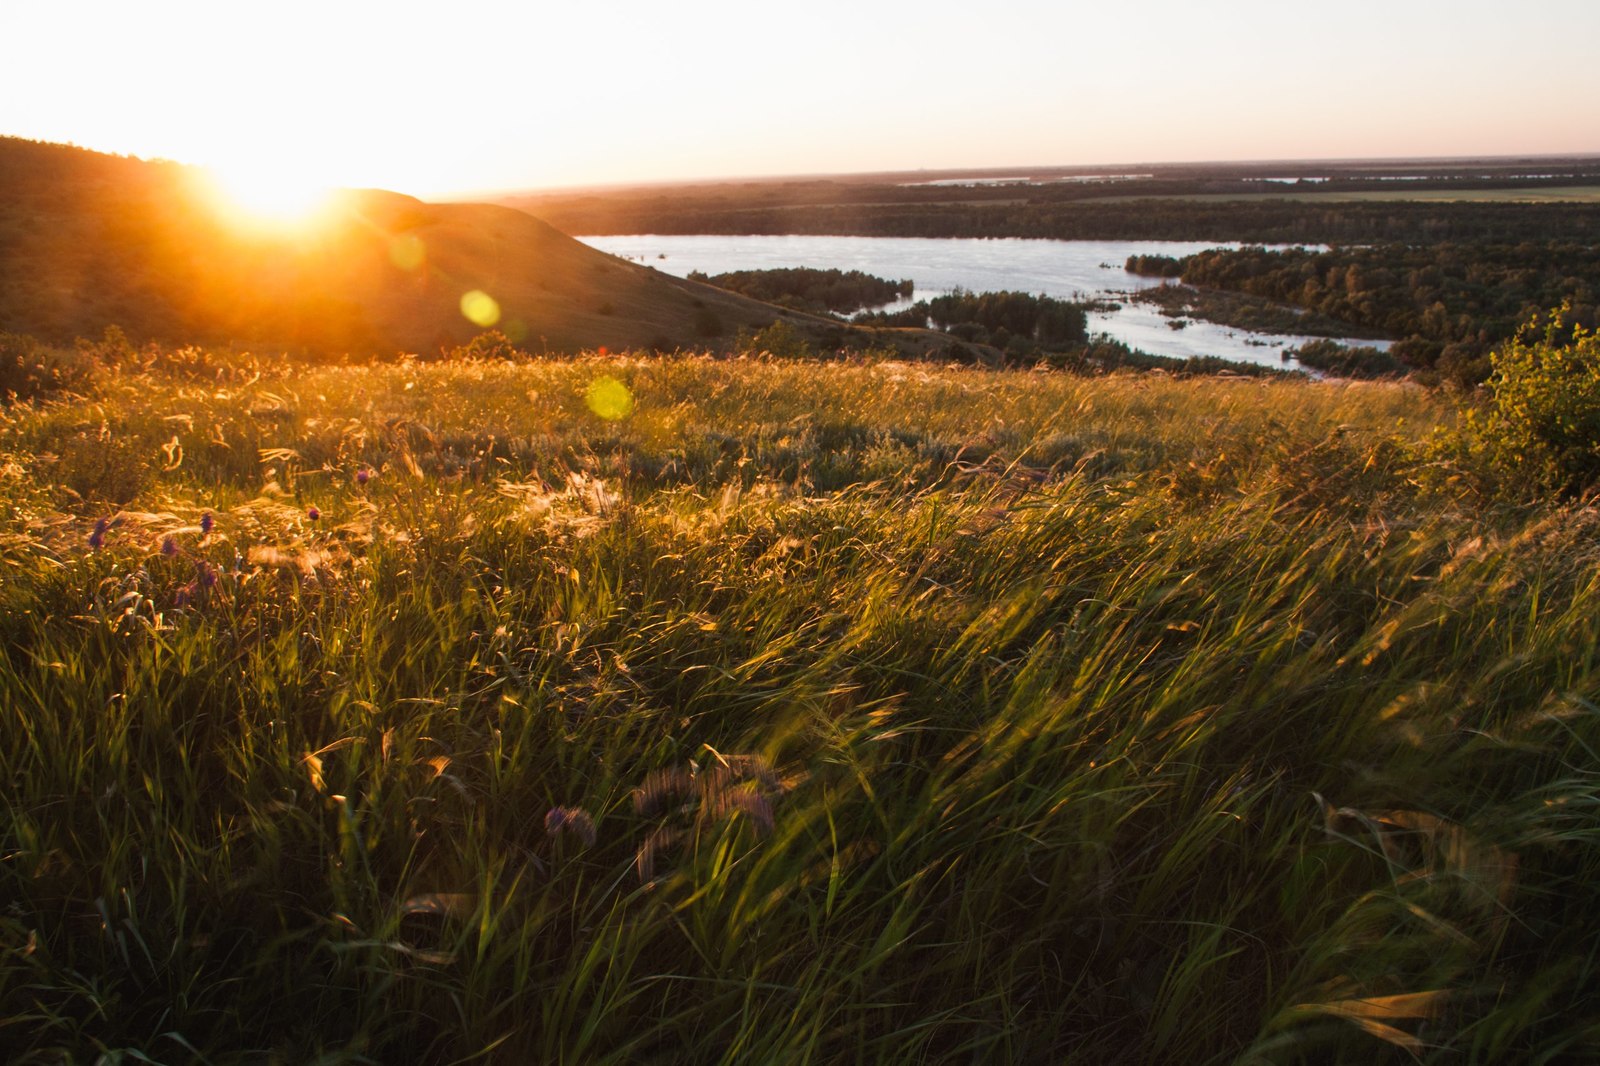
<point x="98" y="538"/>
<point x="169" y="547"/>
<point x="207" y="523"/>
<point x="313" y="514"/>
<point x="574" y="820"/>
<point x="362" y="475"/>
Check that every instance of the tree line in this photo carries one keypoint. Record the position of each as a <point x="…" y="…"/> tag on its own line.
<point x="811" y="289"/>
<point x="1019" y="323"/>
<point x="1449" y="303"/>
<point x="1264" y="221"/>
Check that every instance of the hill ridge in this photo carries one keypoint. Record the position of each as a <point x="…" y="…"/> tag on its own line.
<point x="90" y="240"/>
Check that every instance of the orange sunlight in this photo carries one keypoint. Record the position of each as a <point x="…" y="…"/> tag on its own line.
<point x="261" y="197"/>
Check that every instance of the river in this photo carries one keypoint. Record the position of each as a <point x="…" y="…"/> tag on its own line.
<point x="1076" y="270"/>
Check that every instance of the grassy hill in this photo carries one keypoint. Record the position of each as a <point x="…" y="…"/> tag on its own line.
<point x="791" y="712"/>
<point x="89" y="240"/>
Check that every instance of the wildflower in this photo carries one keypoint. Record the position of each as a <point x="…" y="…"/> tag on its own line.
<point x="572" y="819"/>
<point x="169" y="546"/>
<point x="98" y="538"/>
<point x="313" y="514"/>
<point x="754" y="806"/>
<point x="205" y="574"/>
<point x="185" y="595"/>
<point x="362" y="475"/>
<point x="207" y="523"/>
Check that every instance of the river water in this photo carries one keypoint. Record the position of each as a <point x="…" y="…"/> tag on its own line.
<point x="1076" y="270"/>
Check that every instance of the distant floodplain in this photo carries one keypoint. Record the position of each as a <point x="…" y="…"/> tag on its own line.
<point x="1077" y="270"/>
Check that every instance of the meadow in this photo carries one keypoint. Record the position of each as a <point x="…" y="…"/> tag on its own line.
<point x="674" y="709"/>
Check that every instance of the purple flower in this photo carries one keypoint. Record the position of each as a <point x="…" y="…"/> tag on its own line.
<point x="98" y="537"/>
<point x="205" y="574"/>
<point x="207" y="523"/>
<point x="169" y="546"/>
<point x="362" y="475"/>
<point x="313" y="514"/>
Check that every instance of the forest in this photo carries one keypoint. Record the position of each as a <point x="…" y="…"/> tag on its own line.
<point x="1129" y="211"/>
<point x="1271" y="222"/>
<point x="1448" y="303"/>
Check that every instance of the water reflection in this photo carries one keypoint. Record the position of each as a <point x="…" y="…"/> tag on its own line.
<point x="1076" y="270"/>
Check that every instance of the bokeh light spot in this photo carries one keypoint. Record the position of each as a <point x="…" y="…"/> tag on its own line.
<point x="480" y="308"/>
<point x="407" y="251"/>
<point x="609" y="398"/>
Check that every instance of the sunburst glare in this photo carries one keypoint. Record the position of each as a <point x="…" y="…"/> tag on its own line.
<point x="268" y="197"/>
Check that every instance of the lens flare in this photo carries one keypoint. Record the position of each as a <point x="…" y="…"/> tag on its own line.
<point x="609" y="398"/>
<point x="407" y="251"/>
<point x="480" y="308"/>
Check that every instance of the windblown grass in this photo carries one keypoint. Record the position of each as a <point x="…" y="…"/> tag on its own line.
<point x="809" y="713"/>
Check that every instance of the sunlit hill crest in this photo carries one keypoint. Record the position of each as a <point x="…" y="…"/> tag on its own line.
<point x="263" y="258"/>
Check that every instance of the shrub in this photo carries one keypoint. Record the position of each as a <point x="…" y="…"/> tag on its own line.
<point x="1541" y="429"/>
<point x="112" y="349"/>
<point x="780" y="339"/>
<point x="488" y="345"/>
<point x="30" y="369"/>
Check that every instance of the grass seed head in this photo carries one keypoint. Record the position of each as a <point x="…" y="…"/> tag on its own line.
<point x="573" y="820"/>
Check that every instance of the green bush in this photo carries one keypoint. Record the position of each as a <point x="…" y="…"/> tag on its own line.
<point x="1541" y="430"/>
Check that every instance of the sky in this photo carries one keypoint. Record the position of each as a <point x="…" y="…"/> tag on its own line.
<point x="441" y="99"/>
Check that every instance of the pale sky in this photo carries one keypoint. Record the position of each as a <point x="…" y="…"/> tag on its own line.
<point x="479" y="95"/>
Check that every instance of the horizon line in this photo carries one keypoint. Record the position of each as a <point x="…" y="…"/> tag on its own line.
<point x="1020" y="168"/>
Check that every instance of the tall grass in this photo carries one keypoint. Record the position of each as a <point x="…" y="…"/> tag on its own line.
<point x="810" y="713"/>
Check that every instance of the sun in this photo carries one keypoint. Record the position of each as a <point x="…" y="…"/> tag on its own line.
<point x="261" y="196"/>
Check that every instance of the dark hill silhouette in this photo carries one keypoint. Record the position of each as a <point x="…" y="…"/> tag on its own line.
<point x="89" y="240"/>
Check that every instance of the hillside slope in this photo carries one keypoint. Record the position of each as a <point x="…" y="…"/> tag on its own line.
<point x="90" y="240"/>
